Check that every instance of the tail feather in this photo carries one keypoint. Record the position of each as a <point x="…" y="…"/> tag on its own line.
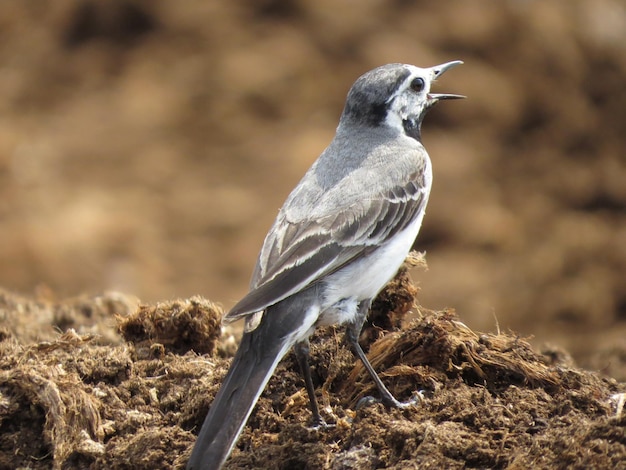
<point x="250" y="371"/>
<point x="258" y="355"/>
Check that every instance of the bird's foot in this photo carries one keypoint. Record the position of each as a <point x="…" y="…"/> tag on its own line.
<point x="390" y="401"/>
<point x="319" y="424"/>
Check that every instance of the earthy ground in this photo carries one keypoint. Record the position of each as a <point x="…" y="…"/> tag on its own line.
<point x="145" y="147"/>
<point x="135" y="401"/>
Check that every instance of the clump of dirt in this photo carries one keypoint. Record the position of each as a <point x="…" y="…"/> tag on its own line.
<point x="179" y="326"/>
<point x="486" y="400"/>
<point x="45" y="391"/>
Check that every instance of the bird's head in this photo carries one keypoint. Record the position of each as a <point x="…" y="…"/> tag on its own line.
<point x="396" y="96"/>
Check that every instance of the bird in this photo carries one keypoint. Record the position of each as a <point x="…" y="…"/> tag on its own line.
<point x="341" y="235"/>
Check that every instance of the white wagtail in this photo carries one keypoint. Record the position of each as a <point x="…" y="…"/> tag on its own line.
<point x="342" y="234"/>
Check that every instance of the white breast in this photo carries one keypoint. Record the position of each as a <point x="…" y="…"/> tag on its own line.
<point x="365" y="278"/>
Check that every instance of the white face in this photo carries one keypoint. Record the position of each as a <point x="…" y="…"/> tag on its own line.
<point x="411" y="99"/>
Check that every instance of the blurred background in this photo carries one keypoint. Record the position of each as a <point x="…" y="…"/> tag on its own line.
<point x="146" y="146"/>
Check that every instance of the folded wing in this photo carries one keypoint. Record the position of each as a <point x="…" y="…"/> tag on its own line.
<point x="299" y="255"/>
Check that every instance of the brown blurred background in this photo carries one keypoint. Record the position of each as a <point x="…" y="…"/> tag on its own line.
<point x="145" y="147"/>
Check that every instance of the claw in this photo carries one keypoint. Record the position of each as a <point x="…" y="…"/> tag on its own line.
<point x="391" y="402"/>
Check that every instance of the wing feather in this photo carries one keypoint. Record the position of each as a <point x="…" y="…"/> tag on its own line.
<point x="301" y="254"/>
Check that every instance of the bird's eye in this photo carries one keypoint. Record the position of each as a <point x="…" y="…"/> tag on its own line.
<point x="417" y="84"/>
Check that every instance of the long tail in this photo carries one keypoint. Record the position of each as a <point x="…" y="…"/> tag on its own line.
<point x="257" y="357"/>
<point x="252" y="367"/>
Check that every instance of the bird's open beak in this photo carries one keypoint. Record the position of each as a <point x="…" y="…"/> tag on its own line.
<point x="445" y="96"/>
<point x="439" y="70"/>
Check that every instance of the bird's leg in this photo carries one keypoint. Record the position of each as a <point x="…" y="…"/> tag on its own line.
<point x="353" y="332"/>
<point x="302" y="355"/>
